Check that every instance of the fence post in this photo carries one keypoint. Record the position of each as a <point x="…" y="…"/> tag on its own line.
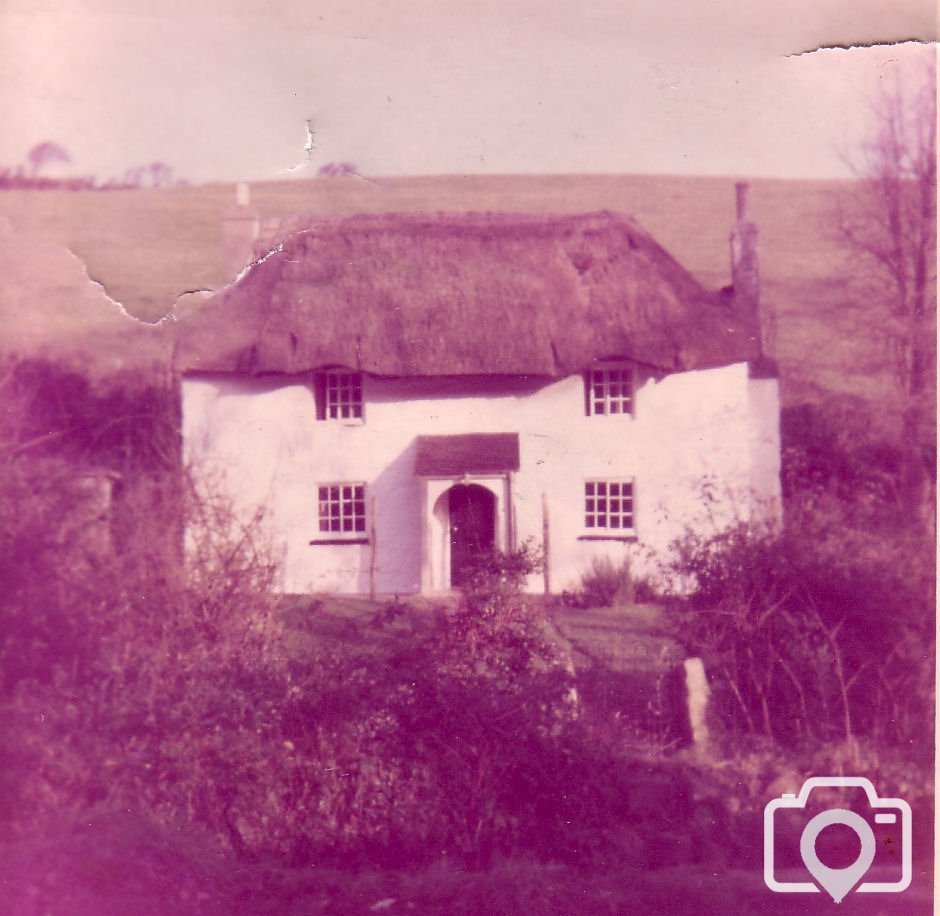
<point x="696" y="685"/>
<point x="546" y="549"/>
<point x="374" y="545"/>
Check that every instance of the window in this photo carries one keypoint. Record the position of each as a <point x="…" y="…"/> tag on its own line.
<point x="608" y="506"/>
<point x="342" y="509"/>
<point x="609" y="390"/>
<point x="339" y="395"/>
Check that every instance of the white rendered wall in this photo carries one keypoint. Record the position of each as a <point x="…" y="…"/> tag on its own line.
<point x="765" y="447"/>
<point x="696" y="446"/>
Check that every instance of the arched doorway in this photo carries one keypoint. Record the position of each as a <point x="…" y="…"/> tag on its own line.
<point x="472" y="527"/>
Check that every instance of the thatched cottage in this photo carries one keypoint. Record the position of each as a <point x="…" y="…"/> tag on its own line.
<point x="400" y="391"/>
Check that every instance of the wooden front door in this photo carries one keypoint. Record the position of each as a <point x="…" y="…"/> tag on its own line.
<point x="472" y="511"/>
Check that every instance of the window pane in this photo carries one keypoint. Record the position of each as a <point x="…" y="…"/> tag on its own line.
<point x="610" y="391"/>
<point x="341" y="507"/>
<point x="343" y="395"/>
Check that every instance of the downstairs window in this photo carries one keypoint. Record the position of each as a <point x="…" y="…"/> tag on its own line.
<point x="342" y="509"/>
<point x="608" y="507"/>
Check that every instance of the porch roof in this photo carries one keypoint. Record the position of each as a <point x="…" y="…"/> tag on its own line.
<point x="474" y="453"/>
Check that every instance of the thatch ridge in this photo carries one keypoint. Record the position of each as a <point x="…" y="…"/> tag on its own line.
<point x="463" y="293"/>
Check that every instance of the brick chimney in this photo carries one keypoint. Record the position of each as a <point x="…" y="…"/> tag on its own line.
<point x="745" y="273"/>
<point x="240" y="228"/>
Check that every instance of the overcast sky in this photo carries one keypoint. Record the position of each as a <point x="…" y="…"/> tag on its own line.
<point x="223" y="89"/>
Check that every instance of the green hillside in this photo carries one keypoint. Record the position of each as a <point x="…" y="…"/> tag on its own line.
<point x="148" y="247"/>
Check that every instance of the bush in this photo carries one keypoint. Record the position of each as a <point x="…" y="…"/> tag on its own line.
<point x="496" y="578"/>
<point x="130" y="668"/>
<point x="810" y="640"/>
<point x="607" y="584"/>
<point x="135" y="681"/>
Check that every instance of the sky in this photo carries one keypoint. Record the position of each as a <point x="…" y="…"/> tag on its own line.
<point x="226" y="89"/>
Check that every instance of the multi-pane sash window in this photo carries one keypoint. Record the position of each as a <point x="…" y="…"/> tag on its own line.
<point x="608" y="506"/>
<point x="342" y="508"/>
<point x="610" y="390"/>
<point x="342" y="395"/>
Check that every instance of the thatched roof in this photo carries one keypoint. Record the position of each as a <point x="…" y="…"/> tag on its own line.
<point x="458" y="294"/>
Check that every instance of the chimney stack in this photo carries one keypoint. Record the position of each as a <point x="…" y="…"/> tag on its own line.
<point x="240" y="228"/>
<point x="745" y="273"/>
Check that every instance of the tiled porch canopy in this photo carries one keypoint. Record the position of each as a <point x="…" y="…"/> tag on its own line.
<point x="472" y="454"/>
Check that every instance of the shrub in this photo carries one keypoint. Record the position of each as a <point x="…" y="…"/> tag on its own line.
<point x="133" y="668"/>
<point x="795" y="630"/>
<point x="168" y="690"/>
<point x="607" y="584"/>
<point x="496" y="578"/>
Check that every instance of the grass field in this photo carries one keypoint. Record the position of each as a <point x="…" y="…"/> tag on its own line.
<point x="149" y="247"/>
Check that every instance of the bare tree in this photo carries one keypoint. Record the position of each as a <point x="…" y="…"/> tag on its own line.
<point x="161" y="175"/>
<point x="134" y="176"/>
<point x="42" y="154"/>
<point x="337" y="170"/>
<point x="889" y="224"/>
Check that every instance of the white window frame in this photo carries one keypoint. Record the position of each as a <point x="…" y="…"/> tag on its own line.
<point x="341" y="510"/>
<point x="343" y="396"/>
<point x="610" y="389"/>
<point x="603" y="509"/>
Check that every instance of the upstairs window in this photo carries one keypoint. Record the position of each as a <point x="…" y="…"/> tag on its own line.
<point x="609" y="390"/>
<point x="339" y="395"/>
<point x="342" y="509"/>
<point x="608" y="507"/>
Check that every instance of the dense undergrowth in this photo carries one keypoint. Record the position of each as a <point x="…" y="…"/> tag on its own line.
<point x="163" y="736"/>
